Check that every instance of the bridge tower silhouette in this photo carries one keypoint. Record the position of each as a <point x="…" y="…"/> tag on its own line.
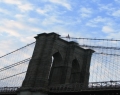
<point x="54" y="62"/>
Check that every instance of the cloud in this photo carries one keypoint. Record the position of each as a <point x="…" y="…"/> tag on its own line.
<point x="85" y="12"/>
<point x="22" y="5"/>
<point x="96" y="1"/>
<point x="11" y="32"/>
<point x="17" y="28"/>
<point x="95" y="21"/>
<point x="4" y="11"/>
<point x="100" y="21"/>
<point x="110" y="10"/>
<point x="12" y="24"/>
<point x="116" y="13"/>
<point x="19" y="16"/>
<point x="51" y="21"/>
<point x="10" y="27"/>
<point x="28" y="39"/>
<point x="17" y="25"/>
<point x="46" y="9"/>
<point x="107" y="25"/>
<point x="117" y="1"/>
<point x="51" y="15"/>
<point x="40" y="11"/>
<point x="107" y="29"/>
<point x="25" y="7"/>
<point x="16" y="2"/>
<point x="106" y="8"/>
<point x="114" y="35"/>
<point x="63" y="3"/>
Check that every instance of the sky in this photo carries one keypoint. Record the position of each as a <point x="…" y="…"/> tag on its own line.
<point x="21" y="20"/>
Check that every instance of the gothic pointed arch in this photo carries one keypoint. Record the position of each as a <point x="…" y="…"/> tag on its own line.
<point x="56" y="69"/>
<point x="75" y="72"/>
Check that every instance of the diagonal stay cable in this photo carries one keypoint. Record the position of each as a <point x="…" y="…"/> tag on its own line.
<point x="92" y="39"/>
<point x="17" y="49"/>
<point x="106" y="54"/>
<point x="13" y="75"/>
<point x="15" y="64"/>
<point x="103" y="47"/>
<point x="61" y="37"/>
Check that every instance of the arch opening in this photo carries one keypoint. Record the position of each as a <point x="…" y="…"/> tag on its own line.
<point x="75" y="72"/>
<point x="55" y="73"/>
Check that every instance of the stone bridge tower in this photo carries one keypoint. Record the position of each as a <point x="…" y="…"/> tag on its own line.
<point x="55" y="61"/>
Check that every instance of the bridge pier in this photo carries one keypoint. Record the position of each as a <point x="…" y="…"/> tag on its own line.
<point x="70" y="65"/>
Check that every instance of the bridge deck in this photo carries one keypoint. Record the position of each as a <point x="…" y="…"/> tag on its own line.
<point x="93" y="88"/>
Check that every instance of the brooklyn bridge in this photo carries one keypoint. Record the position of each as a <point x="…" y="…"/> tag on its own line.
<point x="62" y="65"/>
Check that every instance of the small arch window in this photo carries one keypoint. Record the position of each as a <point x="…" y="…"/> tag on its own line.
<point x="75" y="72"/>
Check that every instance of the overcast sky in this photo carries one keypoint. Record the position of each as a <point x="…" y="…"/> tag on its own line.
<point x="21" y="20"/>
